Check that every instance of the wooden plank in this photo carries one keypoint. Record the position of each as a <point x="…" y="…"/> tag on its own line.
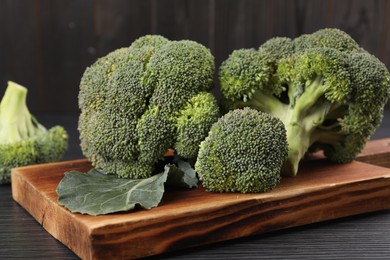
<point x="376" y="152"/>
<point x="188" y="218"/>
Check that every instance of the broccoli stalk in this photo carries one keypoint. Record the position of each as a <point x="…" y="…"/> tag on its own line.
<point x="16" y="122"/>
<point x="302" y="120"/>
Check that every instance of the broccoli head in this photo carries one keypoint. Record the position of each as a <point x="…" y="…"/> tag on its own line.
<point x="328" y="92"/>
<point x="243" y="152"/>
<point x="140" y="101"/>
<point x="23" y="141"/>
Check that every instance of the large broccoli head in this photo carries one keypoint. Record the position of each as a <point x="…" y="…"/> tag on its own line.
<point x="328" y="92"/>
<point x="243" y="152"/>
<point x="140" y="101"/>
<point x="23" y="141"/>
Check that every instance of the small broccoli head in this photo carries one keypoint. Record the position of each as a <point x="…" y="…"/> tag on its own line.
<point x="23" y="141"/>
<point x="243" y="152"/>
<point x="141" y="92"/>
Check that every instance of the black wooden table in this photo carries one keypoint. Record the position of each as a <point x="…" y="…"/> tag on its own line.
<point x="364" y="236"/>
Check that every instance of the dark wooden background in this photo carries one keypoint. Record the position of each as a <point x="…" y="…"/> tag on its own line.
<point x="47" y="44"/>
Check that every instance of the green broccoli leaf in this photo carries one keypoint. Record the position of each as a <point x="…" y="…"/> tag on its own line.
<point x="96" y="193"/>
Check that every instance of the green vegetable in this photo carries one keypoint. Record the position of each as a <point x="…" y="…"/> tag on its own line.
<point x="243" y="152"/>
<point x="97" y="193"/>
<point x="140" y="101"/>
<point x="328" y="92"/>
<point x="182" y="174"/>
<point x="23" y="141"/>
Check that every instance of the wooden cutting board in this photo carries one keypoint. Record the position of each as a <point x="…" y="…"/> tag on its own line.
<point x="188" y="218"/>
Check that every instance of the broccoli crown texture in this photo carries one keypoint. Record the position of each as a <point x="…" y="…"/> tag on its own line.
<point x="23" y="141"/>
<point x="243" y="152"/>
<point x="328" y="38"/>
<point x="328" y="92"/>
<point x="140" y="101"/>
<point x="277" y="48"/>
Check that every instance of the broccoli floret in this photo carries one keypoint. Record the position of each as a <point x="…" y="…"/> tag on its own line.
<point x="329" y="93"/>
<point x="326" y="38"/>
<point x="156" y="130"/>
<point x="244" y="72"/>
<point x="243" y="152"/>
<point x="245" y="80"/>
<point x="363" y="112"/>
<point x="178" y="71"/>
<point x="23" y="141"/>
<point x="277" y="48"/>
<point x="193" y="123"/>
<point x="154" y="41"/>
<point x="133" y="103"/>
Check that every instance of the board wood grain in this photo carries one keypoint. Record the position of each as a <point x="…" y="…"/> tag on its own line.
<point x="188" y="218"/>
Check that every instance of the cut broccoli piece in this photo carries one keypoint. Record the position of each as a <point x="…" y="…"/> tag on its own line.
<point x="23" y="141"/>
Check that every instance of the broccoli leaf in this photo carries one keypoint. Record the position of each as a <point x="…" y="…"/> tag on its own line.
<point x="182" y="175"/>
<point x="96" y="193"/>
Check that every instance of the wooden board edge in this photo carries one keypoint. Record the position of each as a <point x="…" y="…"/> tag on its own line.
<point x="82" y="247"/>
<point x="376" y="152"/>
<point x="373" y="192"/>
<point x="246" y="218"/>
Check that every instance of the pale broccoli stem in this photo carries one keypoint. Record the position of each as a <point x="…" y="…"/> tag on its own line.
<point x="16" y="122"/>
<point x="306" y="113"/>
<point x="265" y="102"/>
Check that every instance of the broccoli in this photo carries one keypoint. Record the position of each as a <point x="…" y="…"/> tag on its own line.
<point x="243" y="152"/>
<point x="328" y="92"/>
<point x="137" y="102"/>
<point x="23" y="141"/>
